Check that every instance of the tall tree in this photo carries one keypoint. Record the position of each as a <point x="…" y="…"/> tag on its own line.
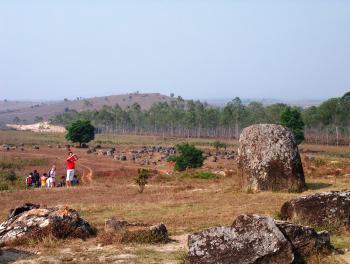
<point x="291" y="118"/>
<point x="80" y="131"/>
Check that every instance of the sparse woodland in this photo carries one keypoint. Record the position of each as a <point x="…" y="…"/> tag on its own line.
<point x="328" y="123"/>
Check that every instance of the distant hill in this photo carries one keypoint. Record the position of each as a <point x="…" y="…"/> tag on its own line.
<point x="28" y="111"/>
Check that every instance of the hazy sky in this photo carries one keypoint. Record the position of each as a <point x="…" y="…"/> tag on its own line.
<point x="196" y="49"/>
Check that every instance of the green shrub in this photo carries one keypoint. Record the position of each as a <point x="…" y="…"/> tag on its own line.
<point x="142" y="179"/>
<point x="189" y="157"/>
<point x="291" y="118"/>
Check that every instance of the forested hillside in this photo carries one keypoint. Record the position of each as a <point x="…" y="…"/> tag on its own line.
<point x="328" y="123"/>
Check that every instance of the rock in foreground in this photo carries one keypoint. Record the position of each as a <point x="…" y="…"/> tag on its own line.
<point x="269" y="158"/>
<point x="34" y="221"/>
<point x="136" y="232"/>
<point x="256" y="239"/>
<point x="327" y="209"/>
<point x="250" y="239"/>
<point x="305" y="240"/>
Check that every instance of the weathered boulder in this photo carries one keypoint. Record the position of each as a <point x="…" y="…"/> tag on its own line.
<point x="305" y="240"/>
<point x="327" y="209"/>
<point x="250" y="239"/>
<point x="31" y="220"/>
<point x="257" y="239"/>
<point x="269" y="158"/>
<point x="136" y="232"/>
<point x="20" y="209"/>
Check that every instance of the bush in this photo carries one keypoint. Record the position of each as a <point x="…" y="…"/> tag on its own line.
<point x="142" y="179"/>
<point x="291" y="118"/>
<point x="189" y="157"/>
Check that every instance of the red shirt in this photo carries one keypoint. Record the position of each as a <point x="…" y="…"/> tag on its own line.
<point x="70" y="163"/>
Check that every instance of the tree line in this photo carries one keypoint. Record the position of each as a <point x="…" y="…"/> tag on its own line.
<point x="328" y="123"/>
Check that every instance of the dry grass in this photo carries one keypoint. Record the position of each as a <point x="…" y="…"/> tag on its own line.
<point x="182" y="202"/>
<point x="30" y="138"/>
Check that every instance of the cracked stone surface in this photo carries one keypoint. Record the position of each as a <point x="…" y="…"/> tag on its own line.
<point x="269" y="158"/>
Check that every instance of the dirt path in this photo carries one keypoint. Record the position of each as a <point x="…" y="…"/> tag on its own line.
<point x="87" y="176"/>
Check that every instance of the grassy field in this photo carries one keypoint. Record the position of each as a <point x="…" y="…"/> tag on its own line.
<point x="30" y="138"/>
<point x="184" y="202"/>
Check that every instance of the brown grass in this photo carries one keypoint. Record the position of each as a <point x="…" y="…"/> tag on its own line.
<point x="184" y="204"/>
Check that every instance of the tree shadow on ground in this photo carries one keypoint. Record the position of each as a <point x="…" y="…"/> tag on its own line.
<point x="317" y="185"/>
<point x="10" y="255"/>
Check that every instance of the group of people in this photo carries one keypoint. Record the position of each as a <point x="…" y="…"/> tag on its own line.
<point x="48" y="180"/>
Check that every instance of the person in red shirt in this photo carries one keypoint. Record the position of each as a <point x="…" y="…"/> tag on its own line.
<point x="72" y="158"/>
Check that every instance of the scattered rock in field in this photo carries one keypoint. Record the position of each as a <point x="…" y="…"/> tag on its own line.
<point x="327" y="209"/>
<point x="256" y="239"/>
<point x="36" y="147"/>
<point x="122" y="157"/>
<point x="102" y="152"/>
<point x="110" y="152"/>
<point x="91" y="150"/>
<point x="250" y="239"/>
<point x="58" y="146"/>
<point x="137" y="232"/>
<point x="49" y="146"/>
<point x="30" y="220"/>
<point x="269" y="158"/>
<point x="5" y="147"/>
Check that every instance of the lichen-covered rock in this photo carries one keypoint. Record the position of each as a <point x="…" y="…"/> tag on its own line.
<point x="136" y="232"/>
<point x="250" y="239"/>
<point x="305" y="240"/>
<point x="327" y="209"/>
<point x="31" y="220"/>
<point x="257" y="239"/>
<point x="269" y="158"/>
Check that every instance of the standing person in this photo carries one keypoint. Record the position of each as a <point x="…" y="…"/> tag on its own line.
<point x="52" y="175"/>
<point x="72" y="158"/>
<point x="43" y="179"/>
<point x="48" y="182"/>
<point x="29" y="180"/>
<point x="36" y="178"/>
